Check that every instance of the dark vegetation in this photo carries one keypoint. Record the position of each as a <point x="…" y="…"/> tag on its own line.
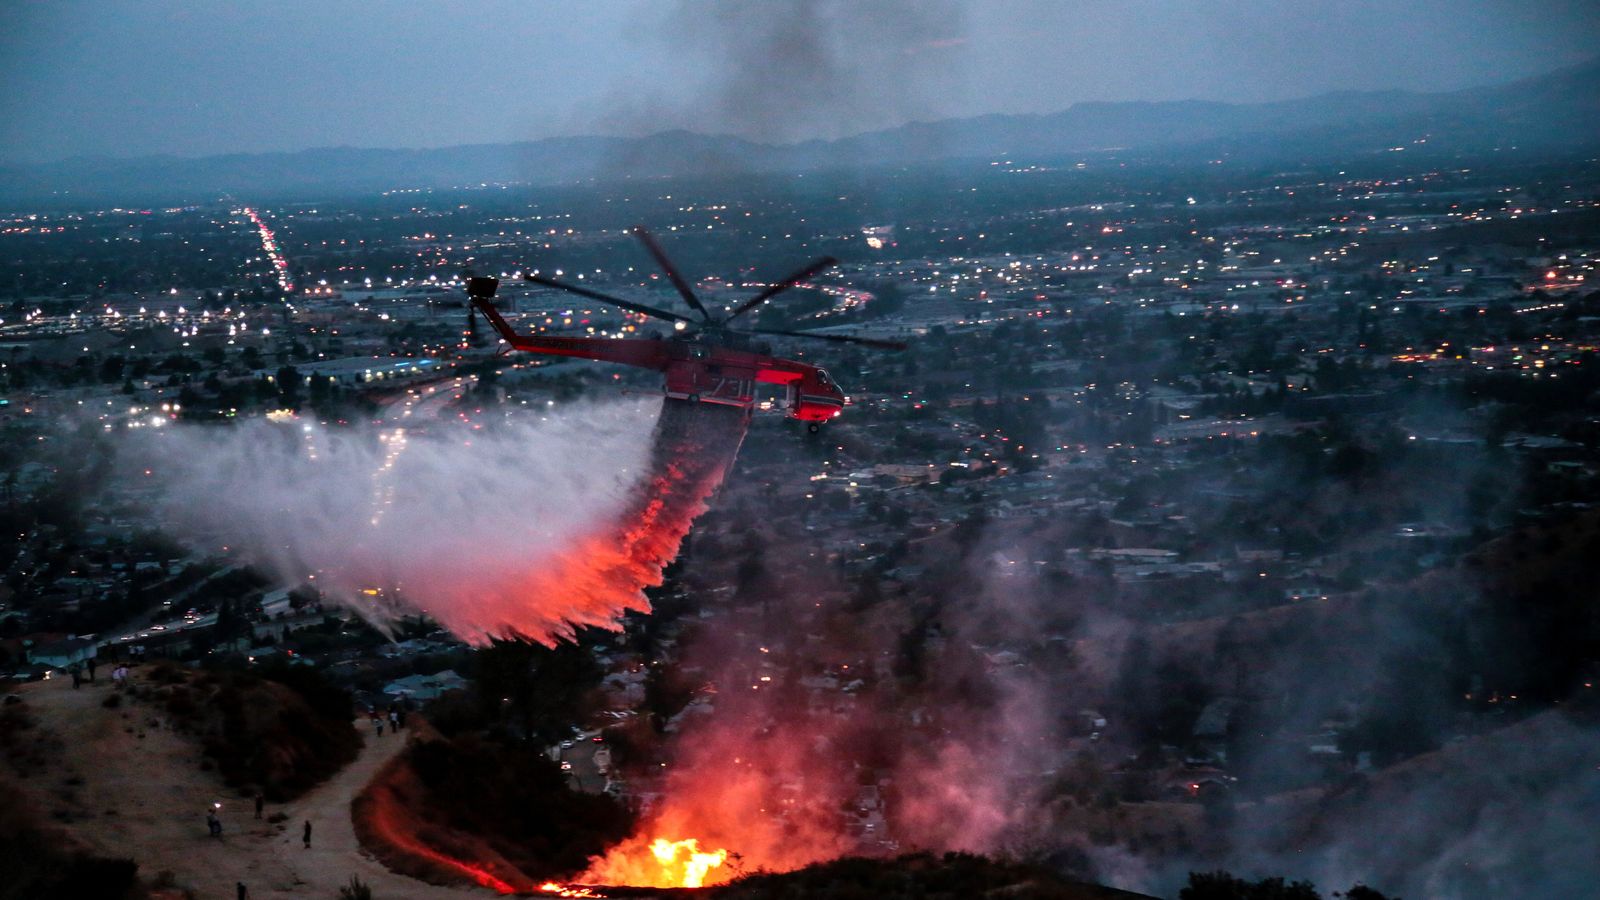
<point x="38" y="861"/>
<point x="1224" y="886"/>
<point x="279" y="729"/>
<point x="516" y="799"/>
<point x="477" y="785"/>
<point x="468" y="809"/>
<point x="1537" y="595"/>
<point x="1514" y="630"/>
<point x="355" y="890"/>
<point x="524" y="692"/>
<point x="921" y="875"/>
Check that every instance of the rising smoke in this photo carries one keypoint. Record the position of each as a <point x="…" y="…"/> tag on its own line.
<point x="819" y="719"/>
<point x="781" y="72"/>
<point x="793" y="70"/>
<point x="981" y="747"/>
<point x="529" y="529"/>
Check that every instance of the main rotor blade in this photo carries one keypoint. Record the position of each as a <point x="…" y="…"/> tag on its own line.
<point x="607" y="298"/>
<point x="787" y="282"/>
<point x="666" y="265"/>
<point x="836" y="338"/>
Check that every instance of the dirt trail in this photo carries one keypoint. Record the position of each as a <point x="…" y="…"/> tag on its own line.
<point x="127" y="786"/>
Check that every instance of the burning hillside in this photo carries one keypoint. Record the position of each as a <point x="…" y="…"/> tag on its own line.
<point x="531" y="531"/>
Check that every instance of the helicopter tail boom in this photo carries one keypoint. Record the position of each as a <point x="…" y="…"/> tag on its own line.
<point x="647" y="354"/>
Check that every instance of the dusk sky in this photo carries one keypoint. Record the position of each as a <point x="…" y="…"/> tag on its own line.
<point x="198" y="78"/>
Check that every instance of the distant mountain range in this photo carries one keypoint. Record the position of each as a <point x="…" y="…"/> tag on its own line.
<point x="1557" y="112"/>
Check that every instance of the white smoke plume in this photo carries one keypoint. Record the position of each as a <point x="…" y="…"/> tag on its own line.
<point x="494" y="533"/>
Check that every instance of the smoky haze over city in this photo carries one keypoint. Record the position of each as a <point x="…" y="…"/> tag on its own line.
<point x="800" y="449"/>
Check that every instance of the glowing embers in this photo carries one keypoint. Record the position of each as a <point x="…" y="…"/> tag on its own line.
<point x="564" y="890"/>
<point x="661" y="863"/>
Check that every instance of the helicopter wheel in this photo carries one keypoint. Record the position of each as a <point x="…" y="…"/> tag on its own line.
<point x="814" y="427"/>
<point x="694" y="398"/>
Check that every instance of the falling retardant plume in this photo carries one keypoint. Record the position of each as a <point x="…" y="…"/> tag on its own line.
<point x="525" y="531"/>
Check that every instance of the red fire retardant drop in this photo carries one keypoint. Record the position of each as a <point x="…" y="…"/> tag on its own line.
<point x="606" y="572"/>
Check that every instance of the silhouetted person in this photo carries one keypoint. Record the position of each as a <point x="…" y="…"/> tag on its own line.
<point x="213" y="824"/>
<point x="240" y="889"/>
<point x="92" y="664"/>
<point x="307" y="834"/>
<point x="261" y="803"/>
<point x="77" y="678"/>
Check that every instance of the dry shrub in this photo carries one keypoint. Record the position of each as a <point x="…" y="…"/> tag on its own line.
<point x="506" y="809"/>
<point x="281" y="737"/>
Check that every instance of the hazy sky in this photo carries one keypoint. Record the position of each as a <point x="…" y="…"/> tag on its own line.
<point x="196" y="77"/>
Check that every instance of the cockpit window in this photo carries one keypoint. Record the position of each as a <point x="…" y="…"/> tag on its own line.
<point x="823" y="379"/>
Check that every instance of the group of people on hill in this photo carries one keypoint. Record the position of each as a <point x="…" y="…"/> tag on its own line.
<point x="396" y="720"/>
<point x="78" y="671"/>
<point x="214" y="822"/>
<point x="214" y="827"/>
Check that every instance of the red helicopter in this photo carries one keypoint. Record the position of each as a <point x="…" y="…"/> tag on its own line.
<point x="705" y="361"/>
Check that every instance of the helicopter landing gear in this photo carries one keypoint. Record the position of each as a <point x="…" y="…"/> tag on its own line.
<point x="814" y="427"/>
<point x="694" y="398"/>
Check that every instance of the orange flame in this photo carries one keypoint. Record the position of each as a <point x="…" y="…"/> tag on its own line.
<point x="672" y="854"/>
<point x="661" y="863"/>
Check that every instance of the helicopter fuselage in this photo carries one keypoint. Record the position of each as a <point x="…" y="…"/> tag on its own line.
<point x="697" y="369"/>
